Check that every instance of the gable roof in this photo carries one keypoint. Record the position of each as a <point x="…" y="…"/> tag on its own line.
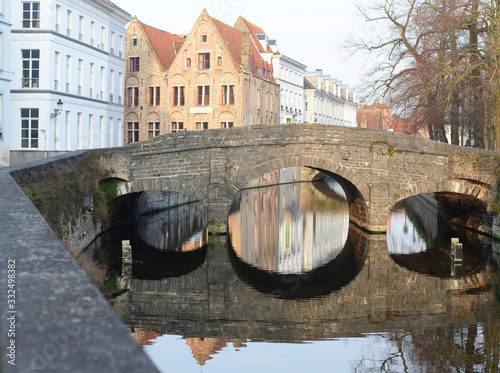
<point x="164" y="43"/>
<point x="234" y="41"/>
<point x="254" y="31"/>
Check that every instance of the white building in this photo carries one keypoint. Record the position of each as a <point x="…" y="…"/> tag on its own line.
<point x="287" y="72"/>
<point x="5" y="80"/>
<point x="69" y="52"/>
<point x="328" y="101"/>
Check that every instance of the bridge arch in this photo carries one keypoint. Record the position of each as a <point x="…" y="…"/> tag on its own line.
<point x="354" y="186"/>
<point x="165" y="185"/>
<point x="479" y="190"/>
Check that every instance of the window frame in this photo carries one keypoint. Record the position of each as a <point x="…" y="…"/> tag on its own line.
<point x="132" y="96"/>
<point x="132" y="132"/>
<point x="228" y="97"/>
<point x="153" y="129"/>
<point x="201" y="125"/>
<point x="134" y="64"/>
<point x="179" y="95"/>
<point x="179" y="126"/>
<point x="204" y="61"/>
<point x="203" y="95"/>
<point x="30" y="67"/>
<point x="154" y="96"/>
<point x="226" y="124"/>
<point x="30" y="128"/>
<point x="32" y="21"/>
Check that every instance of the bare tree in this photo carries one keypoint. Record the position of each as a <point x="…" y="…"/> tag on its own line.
<point x="435" y="56"/>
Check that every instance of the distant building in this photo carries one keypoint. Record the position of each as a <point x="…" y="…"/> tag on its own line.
<point x="379" y="116"/>
<point x="70" y="53"/>
<point x="5" y="81"/>
<point x="212" y="78"/>
<point x="287" y="72"/>
<point x="328" y="101"/>
<point x="376" y="117"/>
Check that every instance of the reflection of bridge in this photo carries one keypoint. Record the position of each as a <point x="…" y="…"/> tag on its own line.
<point x="376" y="169"/>
<point x="213" y="301"/>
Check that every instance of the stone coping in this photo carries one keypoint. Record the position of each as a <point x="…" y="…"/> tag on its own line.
<point x="57" y="320"/>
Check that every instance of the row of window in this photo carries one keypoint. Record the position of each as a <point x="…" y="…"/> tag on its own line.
<point x="31" y="76"/>
<point x="31" y="19"/>
<point x="30" y="130"/>
<point x="179" y="95"/>
<point x="154" y="129"/>
<point x="134" y="63"/>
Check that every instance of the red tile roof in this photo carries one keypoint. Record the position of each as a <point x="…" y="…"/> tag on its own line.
<point x="164" y="44"/>
<point x="254" y="30"/>
<point x="233" y="39"/>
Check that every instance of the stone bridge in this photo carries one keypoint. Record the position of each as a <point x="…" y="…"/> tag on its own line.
<point x="376" y="169"/>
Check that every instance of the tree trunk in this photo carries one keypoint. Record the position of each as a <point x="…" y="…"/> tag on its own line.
<point x="477" y="89"/>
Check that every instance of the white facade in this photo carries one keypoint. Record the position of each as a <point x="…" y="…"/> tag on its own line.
<point x="73" y="52"/>
<point x="328" y="101"/>
<point x="5" y="81"/>
<point x="289" y="74"/>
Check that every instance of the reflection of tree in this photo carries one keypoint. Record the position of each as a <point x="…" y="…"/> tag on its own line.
<point x="454" y="348"/>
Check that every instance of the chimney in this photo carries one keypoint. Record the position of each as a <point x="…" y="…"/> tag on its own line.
<point x="245" y="50"/>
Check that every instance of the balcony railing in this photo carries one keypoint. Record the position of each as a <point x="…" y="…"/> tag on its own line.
<point x="68" y="87"/>
<point x="56" y="85"/>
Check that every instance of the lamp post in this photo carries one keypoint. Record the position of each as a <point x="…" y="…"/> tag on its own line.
<point x="58" y="110"/>
<point x="53" y="115"/>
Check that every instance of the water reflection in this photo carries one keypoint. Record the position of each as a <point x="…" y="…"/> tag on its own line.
<point x="291" y="228"/>
<point x="418" y="239"/>
<point x="379" y="310"/>
<point x="165" y="244"/>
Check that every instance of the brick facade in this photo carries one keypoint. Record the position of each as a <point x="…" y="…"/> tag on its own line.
<point x="212" y="78"/>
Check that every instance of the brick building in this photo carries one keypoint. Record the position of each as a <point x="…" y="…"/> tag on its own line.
<point x="212" y="78"/>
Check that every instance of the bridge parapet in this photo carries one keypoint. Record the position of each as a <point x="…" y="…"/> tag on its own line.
<point x="381" y="168"/>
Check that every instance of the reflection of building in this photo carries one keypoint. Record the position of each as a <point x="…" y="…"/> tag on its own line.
<point x="204" y="348"/>
<point x="180" y="229"/>
<point x="145" y="337"/>
<point x="288" y="228"/>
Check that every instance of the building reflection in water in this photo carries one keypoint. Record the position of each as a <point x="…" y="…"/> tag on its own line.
<point x="289" y="228"/>
<point x="166" y="243"/>
<point x="414" y="243"/>
<point x="179" y="229"/>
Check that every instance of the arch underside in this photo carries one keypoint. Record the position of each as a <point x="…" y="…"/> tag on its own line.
<point x="480" y="191"/>
<point x="354" y="187"/>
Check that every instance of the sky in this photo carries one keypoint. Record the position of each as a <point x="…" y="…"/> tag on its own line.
<point x="313" y="32"/>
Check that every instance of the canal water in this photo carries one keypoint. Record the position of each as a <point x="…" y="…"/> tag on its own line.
<point x="295" y="286"/>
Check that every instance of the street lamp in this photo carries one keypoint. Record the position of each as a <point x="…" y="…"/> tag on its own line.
<point x="58" y="110"/>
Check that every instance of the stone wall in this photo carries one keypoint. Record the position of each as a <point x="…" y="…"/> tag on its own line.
<point x="62" y="322"/>
<point x="378" y="169"/>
